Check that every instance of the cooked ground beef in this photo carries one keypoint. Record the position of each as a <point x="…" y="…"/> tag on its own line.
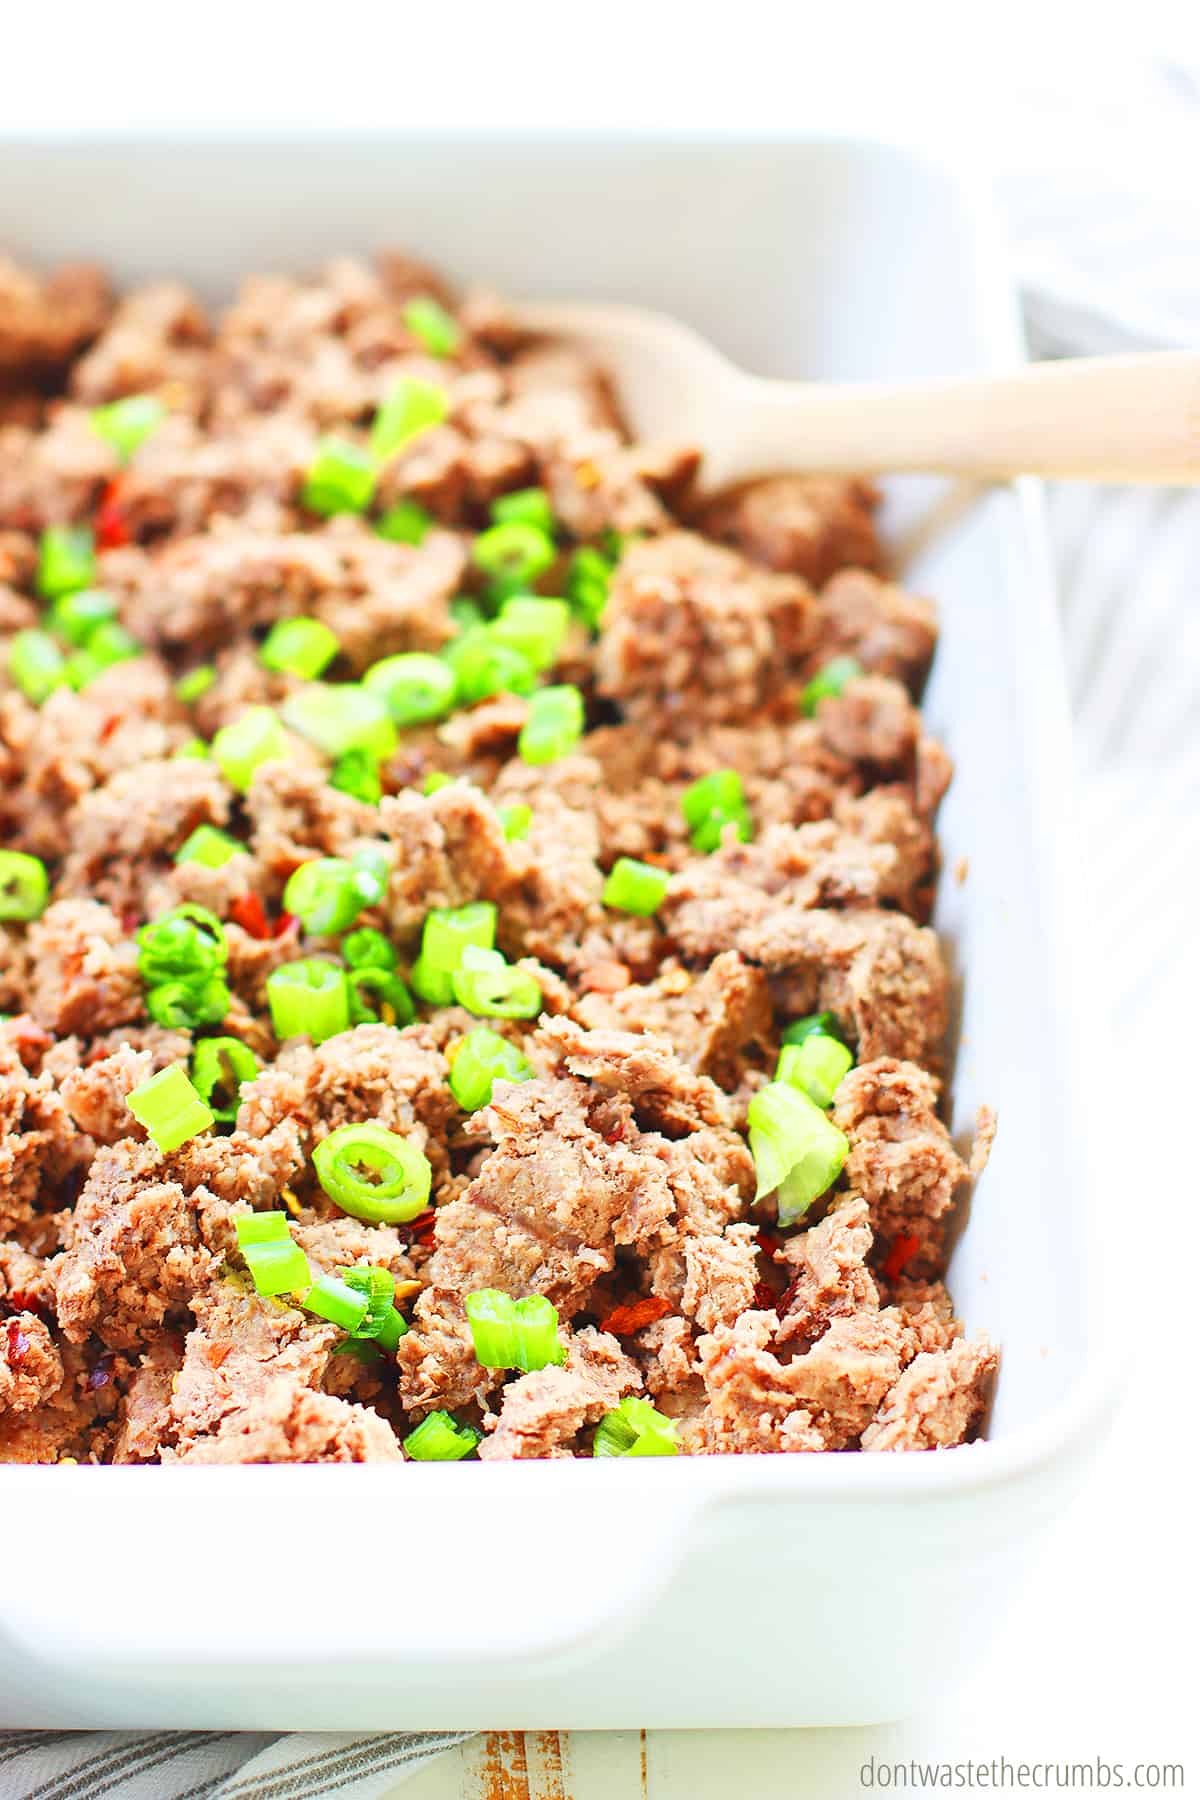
<point x="612" y="1179"/>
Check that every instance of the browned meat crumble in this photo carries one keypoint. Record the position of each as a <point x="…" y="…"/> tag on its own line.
<point x="617" y="1181"/>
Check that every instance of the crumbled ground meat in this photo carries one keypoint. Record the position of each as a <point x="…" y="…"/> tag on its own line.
<point x="828" y="1278"/>
<point x="681" y="606"/>
<point x="30" y="1366"/>
<point x="890" y="631"/>
<point x="134" y="1254"/>
<point x="810" y="525"/>
<point x="616" y="1178"/>
<point x="541" y="1414"/>
<point x="939" y="1400"/>
<point x="81" y="970"/>
<point x="901" y="1159"/>
<point x="43" y="323"/>
<point x="40" y="1145"/>
<point x="708" y="1019"/>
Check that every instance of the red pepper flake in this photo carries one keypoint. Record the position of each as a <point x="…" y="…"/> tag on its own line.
<point x="421" y="1227"/>
<point x="903" y="1249"/>
<point x="248" y="912"/>
<point x="622" y="1321"/>
<point x="130" y="918"/>
<point x="283" y="924"/>
<point x="112" y="527"/>
<point x="765" y="1298"/>
<point x="18" y="1345"/>
<point x="21" y="1302"/>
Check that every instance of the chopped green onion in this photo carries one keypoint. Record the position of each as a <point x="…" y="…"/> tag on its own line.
<point x="391" y="1329"/>
<point x="169" y="1107"/>
<point x="220" y="1065"/>
<point x="383" y="1322"/>
<point x="516" y="819"/>
<point x="262" y="1228"/>
<point x="372" y="867"/>
<point x="332" y="1299"/>
<point x="405" y="523"/>
<point x="341" y="479"/>
<point x="799" y="1029"/>
<point x="436" y="781"/>
<point x="181" y="960"/>
<point x="66" y="560"/>
<point x="437" y="329"/>
<point x="341" y="718"/>
<point x="483" y="666"/>
<point x="210" y="847"/>
<point x="527" y="506"/>
<point x="410" y="408"/>
<point x="636" y="887"/>
<point x="828" y="682"/>
<point x="367" y="948"/>
<point x="196" y="682"/>
<point x="110" y="643"/>
<point x="533" y="626"/>
<point x="377" y="1283"/>
<point x="303" y="647"/>
<point x="363" y="1350"/>
<point x="376" y="993"/>
<point x="81" y="668"/>
<point x="36" y="664"/>
<point x="722" y="788"/>
<point x="276" y="1263"/>
<point x="708" y="835"/>
<point x="127" y="423"/>
<point x="76" y="615"/>
<point x="414" y="687"/>
<point x="240" y="748"/>
<point x="713" y="802"/>
<point x="373" y="1174"/>
<point x="816" y="1066"/>
<point x="187" y="1003"/>
<point x="187" y="941"/>
<point x="308" y="998"/>
<point x="24" y="886"/>
<point x="191" y="747"/>
<point x="797" y="1151"/>
<point x="588" y="577"/>
<point x="440" y="1438"/>
<point x="446" y="933"/>
<point x="328" y="894"/>
<point x="512" y="557"/>
<point x="635" y="1428"/>
<point x="491" y="988"/>
<point x="513" y="1334"/>
<point x="482" y="1058"/>
<point x="466" y="612"/>
<point x="356" y="772"/>
<point x="554" y="725"/>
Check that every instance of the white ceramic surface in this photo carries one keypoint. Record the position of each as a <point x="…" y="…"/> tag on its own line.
<point x="798" y="1590"/>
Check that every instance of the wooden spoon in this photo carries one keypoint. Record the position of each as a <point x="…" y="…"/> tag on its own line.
<point x="1105" y="418"/>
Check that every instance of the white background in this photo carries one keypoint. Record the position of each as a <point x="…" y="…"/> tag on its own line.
<point x="1099" y="1656"/>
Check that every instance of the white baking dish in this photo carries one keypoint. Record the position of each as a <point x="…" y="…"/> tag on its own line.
<point x="725" y="1591"/>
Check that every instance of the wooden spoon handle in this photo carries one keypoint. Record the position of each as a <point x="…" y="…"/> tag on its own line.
<point x="1115" y="418"/>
